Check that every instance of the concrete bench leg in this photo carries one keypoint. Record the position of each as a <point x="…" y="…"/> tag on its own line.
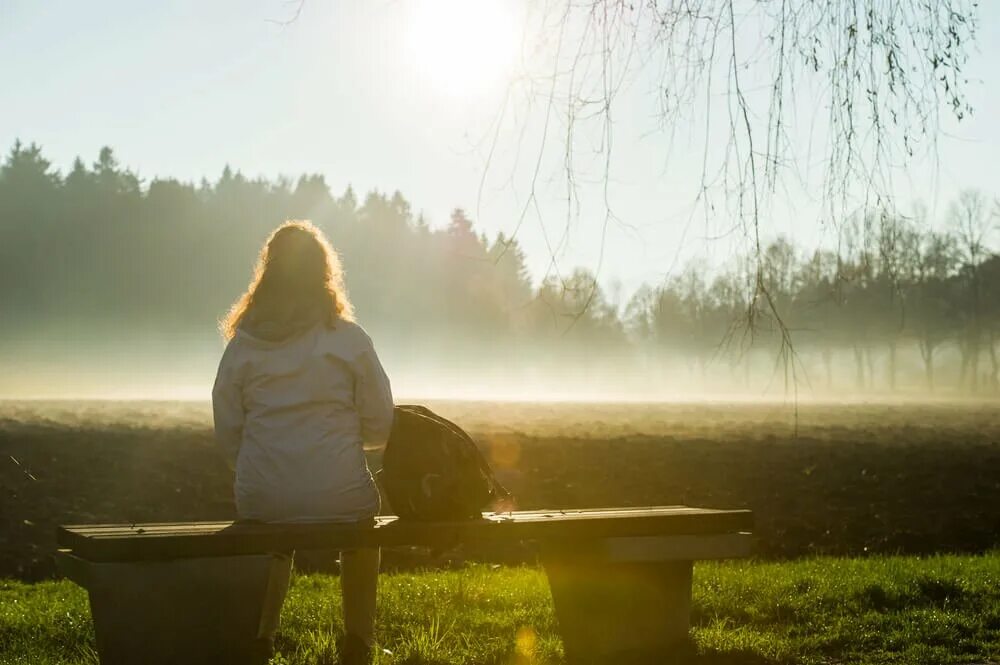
<point x="211" y="611"/>
<point x="614" y="611"/>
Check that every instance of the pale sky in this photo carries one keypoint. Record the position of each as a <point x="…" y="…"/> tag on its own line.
<point x="379" y="94"/>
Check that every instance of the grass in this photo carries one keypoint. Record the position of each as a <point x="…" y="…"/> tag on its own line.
<point x="943" y="609"/>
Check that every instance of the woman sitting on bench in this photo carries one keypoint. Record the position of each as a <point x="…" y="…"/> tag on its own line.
<point x="299" y="395"/>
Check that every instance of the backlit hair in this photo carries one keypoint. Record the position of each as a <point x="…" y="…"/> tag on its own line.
<point x="297" y="268"/>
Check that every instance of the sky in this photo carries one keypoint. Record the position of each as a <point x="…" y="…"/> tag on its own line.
<point x="400" y="95"/>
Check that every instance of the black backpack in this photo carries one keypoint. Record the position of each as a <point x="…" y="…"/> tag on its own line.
<point x="433" y="471"/>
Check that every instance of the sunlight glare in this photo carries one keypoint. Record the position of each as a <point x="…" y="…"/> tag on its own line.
<point x="463" y="47"/>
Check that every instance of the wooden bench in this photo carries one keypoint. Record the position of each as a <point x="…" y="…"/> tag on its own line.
<point x="196" y="592"/>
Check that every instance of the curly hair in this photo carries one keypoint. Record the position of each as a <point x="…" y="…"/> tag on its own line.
<point x="297" y="267"/>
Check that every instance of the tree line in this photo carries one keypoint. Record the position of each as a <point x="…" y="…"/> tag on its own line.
<point x="894" y="283"/>
<point x="96" y="249"/>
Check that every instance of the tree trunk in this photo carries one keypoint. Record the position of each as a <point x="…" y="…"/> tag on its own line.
<point x="785" y="366"/>
<point x="859" y="365"/>
<point x="973" y="338"/>
<point x="963" y="370"/>
<point x="994" y="365"/>
<point x="974" y="369"/>
<point x="927" y="351"/>
<point x="828" y="364"/>
<point x="892" y="366"/>
<point x="871" y="367"/>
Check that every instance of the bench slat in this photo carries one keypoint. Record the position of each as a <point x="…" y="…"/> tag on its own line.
<point x="139" y="542"/>
<point x="104" y="531"/>
<point x="520" y="516"/>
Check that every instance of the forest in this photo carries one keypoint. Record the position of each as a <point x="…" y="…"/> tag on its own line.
<point x="901" y="303"/>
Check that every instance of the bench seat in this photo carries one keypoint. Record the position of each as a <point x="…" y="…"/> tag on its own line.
<point x="620" y="577"/>
<point x="146" y="542"/>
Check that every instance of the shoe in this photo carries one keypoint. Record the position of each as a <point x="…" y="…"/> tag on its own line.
<point x="354" y="651"/>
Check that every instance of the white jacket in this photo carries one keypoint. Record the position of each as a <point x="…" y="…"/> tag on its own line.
<point x="293" y="417"/>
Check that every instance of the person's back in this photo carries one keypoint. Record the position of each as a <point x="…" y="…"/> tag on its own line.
<point x="299" y="394"/>
<point x="307" y="403"/>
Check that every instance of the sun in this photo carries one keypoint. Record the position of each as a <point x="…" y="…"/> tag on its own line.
<point x="463" y="47"/>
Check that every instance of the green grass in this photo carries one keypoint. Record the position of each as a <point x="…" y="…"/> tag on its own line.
<point x="875" y="610"/>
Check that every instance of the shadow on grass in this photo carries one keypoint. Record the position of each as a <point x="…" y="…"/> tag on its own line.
<point x="684" y="654"/>
<point x="728" y="658"/>
<point x="689" y="656"/>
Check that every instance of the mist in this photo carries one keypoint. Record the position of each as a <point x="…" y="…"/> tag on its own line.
<point x="184" y="370"/>
<point x="112" y="288"/>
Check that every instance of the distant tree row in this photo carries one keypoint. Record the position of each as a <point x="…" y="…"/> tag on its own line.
<point x="894" y="283"/>
<point x="97" y="249"/>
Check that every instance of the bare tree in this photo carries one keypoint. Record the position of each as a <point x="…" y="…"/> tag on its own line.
<point x="930" y="306"/>
<point x="878" y="73"/>
<point x="970" y="223"/>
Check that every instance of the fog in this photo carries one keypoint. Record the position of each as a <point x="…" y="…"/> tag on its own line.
<point x="113" y="287"/>
<point x="138" y="368"/>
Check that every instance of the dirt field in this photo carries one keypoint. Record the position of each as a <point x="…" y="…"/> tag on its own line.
<point x="822" y="478"/>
